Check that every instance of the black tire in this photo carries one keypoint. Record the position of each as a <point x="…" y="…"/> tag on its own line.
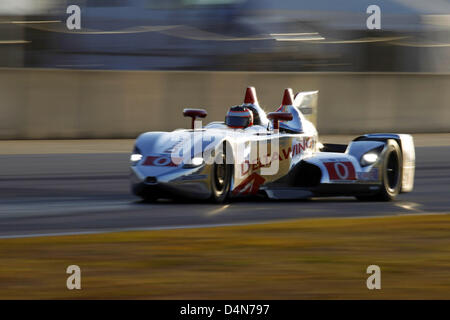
<point x="149" y="198"/>
<point x="391" y="171"/>
<point x="221" y="177"/>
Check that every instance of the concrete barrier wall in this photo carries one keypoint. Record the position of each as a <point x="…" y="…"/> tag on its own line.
<point x="54" y="104"/>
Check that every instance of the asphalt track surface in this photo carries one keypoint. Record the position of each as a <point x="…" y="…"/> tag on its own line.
<point x="53" y="194"/>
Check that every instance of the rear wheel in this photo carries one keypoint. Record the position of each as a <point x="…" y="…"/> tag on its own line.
<point x="221" y="176"/>
<point x="391" y="171"/>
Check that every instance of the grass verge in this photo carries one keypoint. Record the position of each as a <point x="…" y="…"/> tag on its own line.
<point x="303" y="259"/>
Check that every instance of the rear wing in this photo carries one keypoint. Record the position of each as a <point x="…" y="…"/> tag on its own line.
<point x="306" y="102"/>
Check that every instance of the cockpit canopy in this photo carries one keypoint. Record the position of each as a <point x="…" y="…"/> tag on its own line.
<point x="259" y="116"/>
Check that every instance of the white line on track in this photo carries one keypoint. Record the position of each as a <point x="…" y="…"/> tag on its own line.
<point x="75" y="233"/>
<point x="201" y="226"/>
<point x="217" y="211"/>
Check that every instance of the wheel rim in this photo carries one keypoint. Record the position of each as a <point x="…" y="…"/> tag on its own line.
<point x="392" y="171"/>
<point x="220" y="175"/>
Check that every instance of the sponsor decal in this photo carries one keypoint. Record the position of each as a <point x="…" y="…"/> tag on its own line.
<point x="159" y="161"/>
<point x="248" y="166"/>
<point x="250" y="185"/>
<point x="340" y="170"/>
<point x="255" y="164"/>
<point x="368" y="176"/>
<point x="300" y="147"/>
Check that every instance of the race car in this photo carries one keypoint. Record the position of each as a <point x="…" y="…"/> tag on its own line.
<point x="276" y="155"/>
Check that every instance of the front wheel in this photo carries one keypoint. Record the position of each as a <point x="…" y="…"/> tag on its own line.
<point x="392" y="172"/>
<point x="221" y="177"/>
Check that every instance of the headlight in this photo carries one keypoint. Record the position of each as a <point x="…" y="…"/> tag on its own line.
<point x="369" y="158"/>
<point x="136" y="156"/>
<point x="195" y="162"/>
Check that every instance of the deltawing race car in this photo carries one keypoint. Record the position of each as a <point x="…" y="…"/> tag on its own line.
<point x="276" y="155"/>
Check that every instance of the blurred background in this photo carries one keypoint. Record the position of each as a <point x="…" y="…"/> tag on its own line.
<point x="401" y="69"/>
<point x="135" y="65"/>
<point x="260" y="35"/>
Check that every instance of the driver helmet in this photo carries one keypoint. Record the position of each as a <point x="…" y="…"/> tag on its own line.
<point x="239" y="117"/>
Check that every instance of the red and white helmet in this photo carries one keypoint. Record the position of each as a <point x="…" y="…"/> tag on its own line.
<point x="239" y="117"/>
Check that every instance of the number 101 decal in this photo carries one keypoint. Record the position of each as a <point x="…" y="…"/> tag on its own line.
<point x="340" y="170"/>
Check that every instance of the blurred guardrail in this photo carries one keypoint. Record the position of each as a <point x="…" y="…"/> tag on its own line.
<point x="56" y="104"/>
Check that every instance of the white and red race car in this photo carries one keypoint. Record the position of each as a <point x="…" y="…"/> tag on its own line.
<point x="277" y="155"/>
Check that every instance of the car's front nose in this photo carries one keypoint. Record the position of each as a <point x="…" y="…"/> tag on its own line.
<point x="169" y="181"/>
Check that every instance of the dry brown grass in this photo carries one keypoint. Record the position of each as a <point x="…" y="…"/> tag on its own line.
<point x="303" y="259"/>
